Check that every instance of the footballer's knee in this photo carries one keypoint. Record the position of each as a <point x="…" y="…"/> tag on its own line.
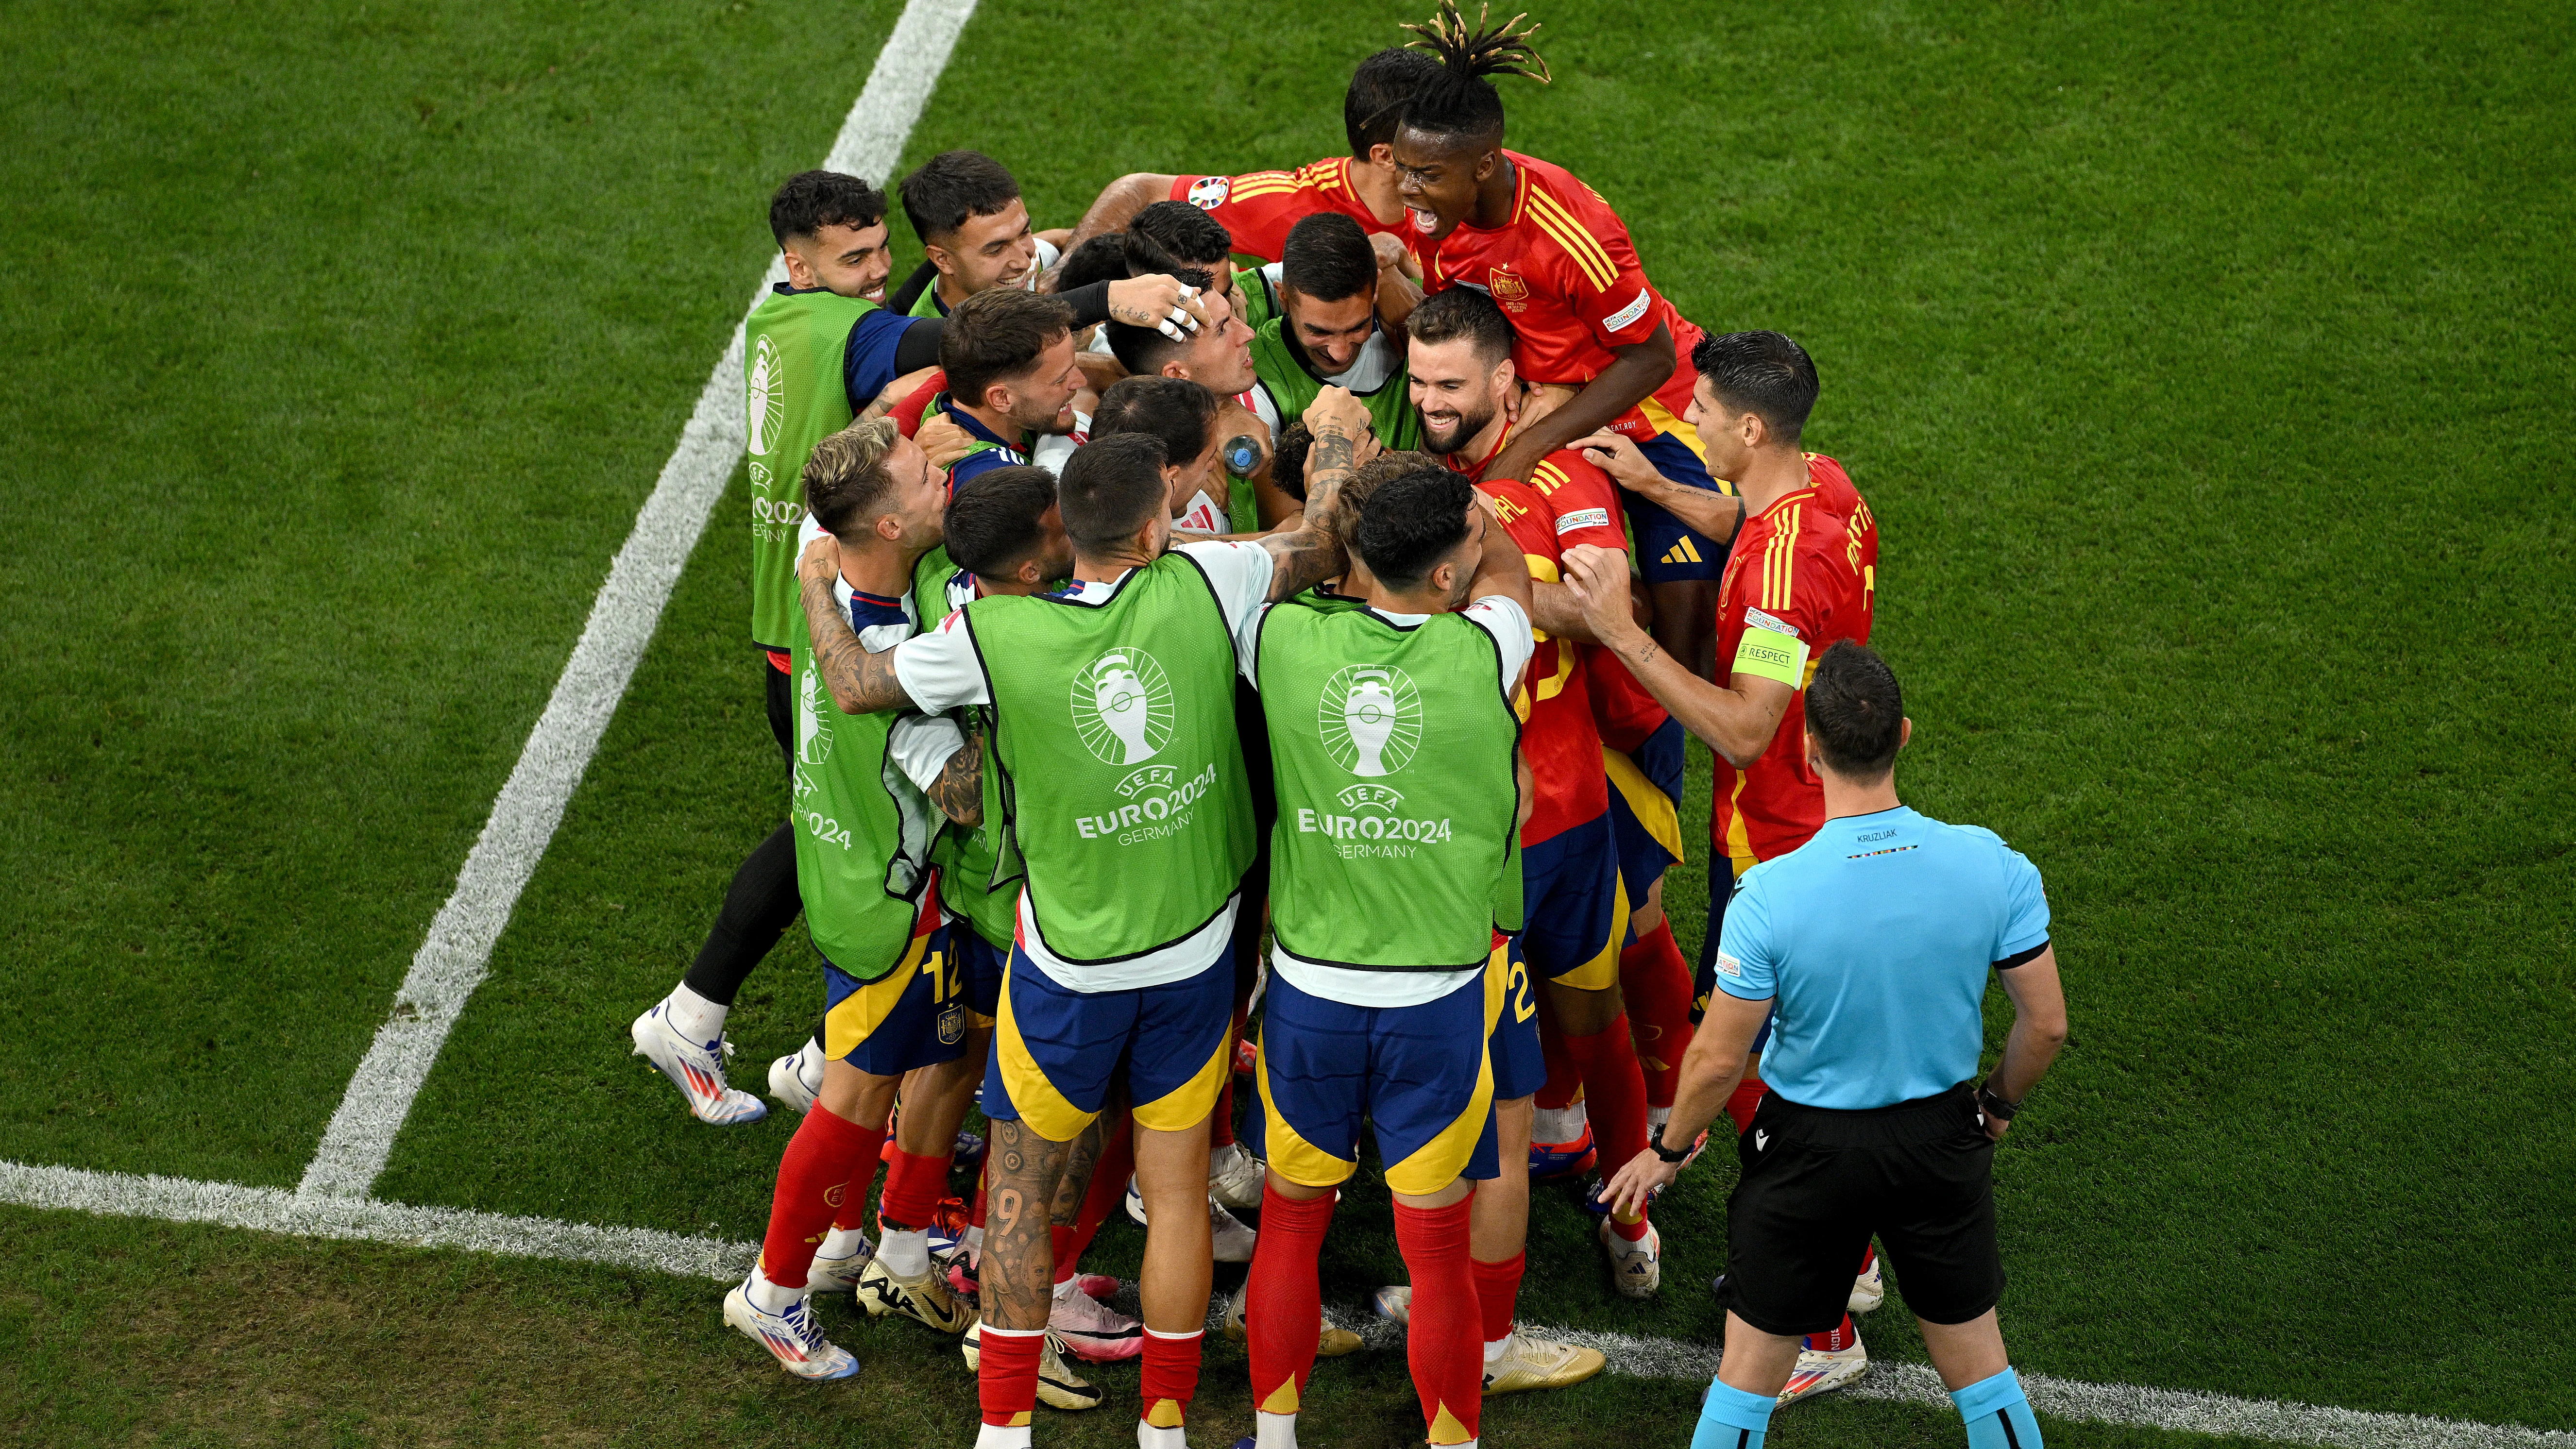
<point x="1585" y="1013"/>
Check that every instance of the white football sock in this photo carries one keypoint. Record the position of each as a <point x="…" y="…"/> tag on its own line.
<point x="905" y="1254"/>
<point x="1656" y="1117"/>
<point x="1274" y="1431"/>
<point x="842" y="1243"/>
<point x="692" y="1015"/>
<point x="996" y="1436"/>
<point x="1495" y="1348"/>
<point x="1558" y="1124"/>
<point x="1149" y="1437"/>
<point x="770" y="1297"/>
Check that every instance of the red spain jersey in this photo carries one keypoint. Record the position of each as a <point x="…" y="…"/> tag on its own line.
<point x="1792" y="570"/>
<point x="1555" y="705"/>
<point x="1565" y="271"/>
<point x="1835" y="492"/>
<point x="1257" y="208"/>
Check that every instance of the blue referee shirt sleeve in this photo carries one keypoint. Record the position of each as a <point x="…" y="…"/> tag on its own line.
<point x="1748" y="960"/>
<point x="2026" y="907"/>
<point x="867" y="364"/>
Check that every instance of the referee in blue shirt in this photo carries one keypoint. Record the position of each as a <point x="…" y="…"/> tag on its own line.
<point x="1872" y="942"/>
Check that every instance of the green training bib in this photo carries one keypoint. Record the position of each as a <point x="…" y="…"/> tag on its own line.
<point x="794" y="396"/>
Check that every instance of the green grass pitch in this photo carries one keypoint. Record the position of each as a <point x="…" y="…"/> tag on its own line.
<point x="2207" y="366"/>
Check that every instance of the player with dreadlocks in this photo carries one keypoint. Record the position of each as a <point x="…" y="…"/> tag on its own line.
<point x="1598" y="341"/>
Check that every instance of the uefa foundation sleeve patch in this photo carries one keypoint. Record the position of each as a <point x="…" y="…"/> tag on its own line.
<point x="1583" y="518"/>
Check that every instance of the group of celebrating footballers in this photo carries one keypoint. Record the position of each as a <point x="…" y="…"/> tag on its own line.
<point x="1122" y="608"/>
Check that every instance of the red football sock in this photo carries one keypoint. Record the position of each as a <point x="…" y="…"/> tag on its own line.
<point x="1108" y="1189"/>
<point x="1170" y="1378"/>
<point x="1441" y="1342"/>
<point x="1498" y="1293"/>
<point x="914" y="1186"/>
<point x="1283" y="1314"/>
<point x="1564" y="1080"/>
<point x="1657" y="988"/>
<point x="975" y="1209"/>
<point x="1616" y="1088"/>
<point x="1006" y="1374"/>
<point x="1741" y="1103"/>
<point x="814" y="1177"/>
<point x="1841" y="1338"/>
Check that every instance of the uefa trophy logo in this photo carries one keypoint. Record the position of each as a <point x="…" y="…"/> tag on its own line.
<point x="1122" y="707"/>
<point x="764" y="400"/>
<point x="813" y="739"/>
<point x="1371" y="718"/>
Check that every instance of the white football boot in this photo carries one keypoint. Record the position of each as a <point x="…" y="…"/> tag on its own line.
<point x="1092" y="1329"/>
<point x="1059" y="1387"/>
<point x="926" y="1299"/>
<point x="1636" y="1269"/>
<point x="696" y="1068"/>
<point x="793" y="1337"/>
<point x="1231" y="1237"/>
<point x="1868" y="1290"/>
<point x="839" y="1272"/>
<point x="1820" y="1372"/>
<point x="1235" y="1177"/>
<point x="1539" y="1363"/>
<point x="1394" y="1304"/>
<point x="796" y="1078"/>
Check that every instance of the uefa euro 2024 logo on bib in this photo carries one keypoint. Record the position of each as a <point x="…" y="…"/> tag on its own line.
<point x="1122" y="707"/>
<point x="813" y="739"/>
<point x="765" y="402"/>
<point x="1371" y="717"/>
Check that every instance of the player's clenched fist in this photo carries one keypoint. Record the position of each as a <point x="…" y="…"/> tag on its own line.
<point x="821" y="561"/>
<point x="1163" y="303"/>
<point x="1599" y="578"/>
<point x="945" y="442"/>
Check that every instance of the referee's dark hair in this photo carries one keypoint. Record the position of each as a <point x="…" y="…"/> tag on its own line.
<point x="1327" y="257"/>
<point x="993" y="523"/>
<point x="952" y="186"/>
<point x="1855" y="712"/>
<point x="1413" y="521"/>
<point x="809" y="201"/>
<point x="1764" y="373"/>
<point x="1112" y="488"/>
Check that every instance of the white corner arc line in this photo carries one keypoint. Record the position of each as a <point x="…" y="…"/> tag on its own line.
<point x="268" y="1209"/>
<point x="451" y="962"/>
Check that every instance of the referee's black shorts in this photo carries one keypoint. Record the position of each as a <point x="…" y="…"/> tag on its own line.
<point x="1819" y="1184"/>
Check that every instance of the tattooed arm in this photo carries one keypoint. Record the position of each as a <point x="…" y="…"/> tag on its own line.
<point x="1312" y="552"/>
<point x="959" y="790"/>
<point x="860" y="682"/>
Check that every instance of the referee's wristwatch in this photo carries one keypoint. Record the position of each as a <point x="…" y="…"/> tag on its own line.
<point x="1994" y="1104"/>
<point x="1673" y="1155"/>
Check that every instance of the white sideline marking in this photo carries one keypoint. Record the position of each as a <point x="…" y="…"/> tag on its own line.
<point x="452" y="961"/>
<point x="269" y="1209"/>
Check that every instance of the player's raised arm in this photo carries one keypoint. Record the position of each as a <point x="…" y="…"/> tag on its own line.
<point x="1116" y="205"/>
<point x="860" y="682"/>
<point x="1736" y="719"/>
<point x="959" y="790"/>
<point x="1639" y="369"/>
<point x="1312" y="552"/>
<point x="1715" y="516"/>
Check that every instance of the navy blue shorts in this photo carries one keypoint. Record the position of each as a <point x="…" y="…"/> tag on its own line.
<point x="1512" y="1042"/>
<point x="1417" y="1075"/>
<point x="915" y="1015"/>
<point x="1667" y="552"/>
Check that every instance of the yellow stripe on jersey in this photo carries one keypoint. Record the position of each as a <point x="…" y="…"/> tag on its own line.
<point x="1588" y="253"/>
<point x="1661" y="419"/>
<point x="1547" y="478"/>
<point x="1779" y="559"/>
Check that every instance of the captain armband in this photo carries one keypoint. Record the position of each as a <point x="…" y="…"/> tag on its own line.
<point x="1771" y="654"/>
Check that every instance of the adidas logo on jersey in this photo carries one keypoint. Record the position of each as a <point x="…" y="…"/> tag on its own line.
<point x="1682" y="552"/>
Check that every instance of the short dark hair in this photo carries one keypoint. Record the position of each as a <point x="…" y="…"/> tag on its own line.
<point x="1764" y="373"/>
<point x="1411" y="523"/>
<point x="995" y="519"/>
<point x="1101" y="259"/>
<point x="1112" y="488"/>
<point x="1455" y="312"/>
<point x="1171" y="235"/>
<point x="1374" y="105"/>
<point x="1327" y="257"/>
<point x="997" y="334"/>
<point x="1288" y="458"/>
<point x="1374" y="474"/>
<point x="948" y="188"/>
<point x="1144" y="350"/>
<point x="809" y="201"/>
<point x="846" y="479"/>
<point x="1174" y="411"/>
<point x="1456" y="103"/>
<point x="1856" y="711"/>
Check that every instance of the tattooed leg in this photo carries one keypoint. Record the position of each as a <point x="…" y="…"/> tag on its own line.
<point x="1018" y="1269"/>
<point x="1081" y="1159"/>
